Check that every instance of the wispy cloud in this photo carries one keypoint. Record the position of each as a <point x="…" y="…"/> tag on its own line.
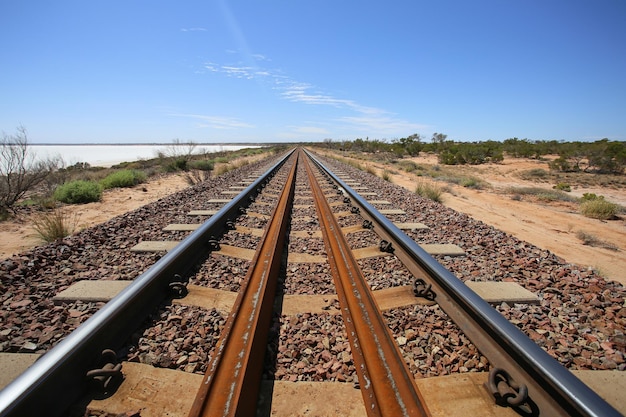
<point x="260" y="57"/>
<point x="303" y="93"/>
<point x="239" y="72"/>
<point x="364" y="118"/>
<point x="193" y="30"/>
<point x="215" y="122"/>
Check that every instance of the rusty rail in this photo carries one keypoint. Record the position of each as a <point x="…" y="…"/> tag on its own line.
<point x="386" y="384"/>
<point x="232" y="381"/>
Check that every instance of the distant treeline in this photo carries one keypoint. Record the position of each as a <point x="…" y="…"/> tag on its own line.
<point x="601" y="156"/>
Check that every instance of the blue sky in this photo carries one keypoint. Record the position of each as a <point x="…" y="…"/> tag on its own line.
<point x="299" y="70"/>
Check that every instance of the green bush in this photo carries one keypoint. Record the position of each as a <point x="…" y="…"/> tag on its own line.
<point x="599" y="208"/>
<point x="591" y="197"/>
<point x="78" y="192"/>
<point x="535" y="175"/>
<point x="202" y="165"/>
<point x="563" y="187"/>
<point x="179" y="164"/>
<point x="472" y="182"/>
<point x="123" y="178"/>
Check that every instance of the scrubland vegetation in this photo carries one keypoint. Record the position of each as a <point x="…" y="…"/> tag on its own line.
<point x="44" y="186"/>
<point x="601" y="163"/>
<point x="601" y="156"/>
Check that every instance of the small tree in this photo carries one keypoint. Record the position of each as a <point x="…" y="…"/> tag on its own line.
<point x="438" y="140"/>
<point x="20" y="171"/>
<point x="178" y="155"/>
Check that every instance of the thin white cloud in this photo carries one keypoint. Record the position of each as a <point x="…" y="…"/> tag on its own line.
<point x="212" y="67"/>
<point x="299" y="92"/>
<point x="260" y="57"/>
<point x="193" y="30"/>
<point x="239" y="72"/>
<point x="366" y="119"/>
<point x="216" y="122"/>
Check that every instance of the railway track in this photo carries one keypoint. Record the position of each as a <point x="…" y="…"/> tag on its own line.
<point x="298" y="215"/>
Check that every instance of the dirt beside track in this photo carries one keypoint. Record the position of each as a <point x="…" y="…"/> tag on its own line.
<point x="551" y="226"/>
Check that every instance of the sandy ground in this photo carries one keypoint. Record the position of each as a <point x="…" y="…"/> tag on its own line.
<point x="549" y="226"/>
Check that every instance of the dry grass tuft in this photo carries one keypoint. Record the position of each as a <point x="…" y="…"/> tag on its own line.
<point x="196" y="176"/>
<point x="428" y="190"/>
<point x="592" y="240"/>
<point x="55" y="224"/>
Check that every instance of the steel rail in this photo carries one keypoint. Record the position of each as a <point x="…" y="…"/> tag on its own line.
<point x="57" y="380"/>
<point x="232" y="381"/>
<point x="553" y="389"/>
<point x="387" y="386"/>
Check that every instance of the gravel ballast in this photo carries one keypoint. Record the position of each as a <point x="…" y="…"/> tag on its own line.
<point x="580" y="320"/>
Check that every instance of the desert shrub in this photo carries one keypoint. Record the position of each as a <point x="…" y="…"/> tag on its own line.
<point x="78" y="192"/>
<point x="370" y="170"/>
<point x="123" y="178"/>
<point x="561" y="164"/>
<point x="430" y="191"/>
<point x="591" y="197"/>
<point x="599" y="208"/>
<point x="46" y="202"/>
<point x="20" y="170"/>
<point x="542" y="194"/>
<point x="410" y="166"/>
<point x="472" y="182"/>
<point x="178" y="164"/>
<point x="386" y="175"/>
<point x="535" y="173"/>
<point x="55" y="224"/>
<point x="470" y="153"/>
<point x="563" y="187"/>
<point x="202" y="165"/>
